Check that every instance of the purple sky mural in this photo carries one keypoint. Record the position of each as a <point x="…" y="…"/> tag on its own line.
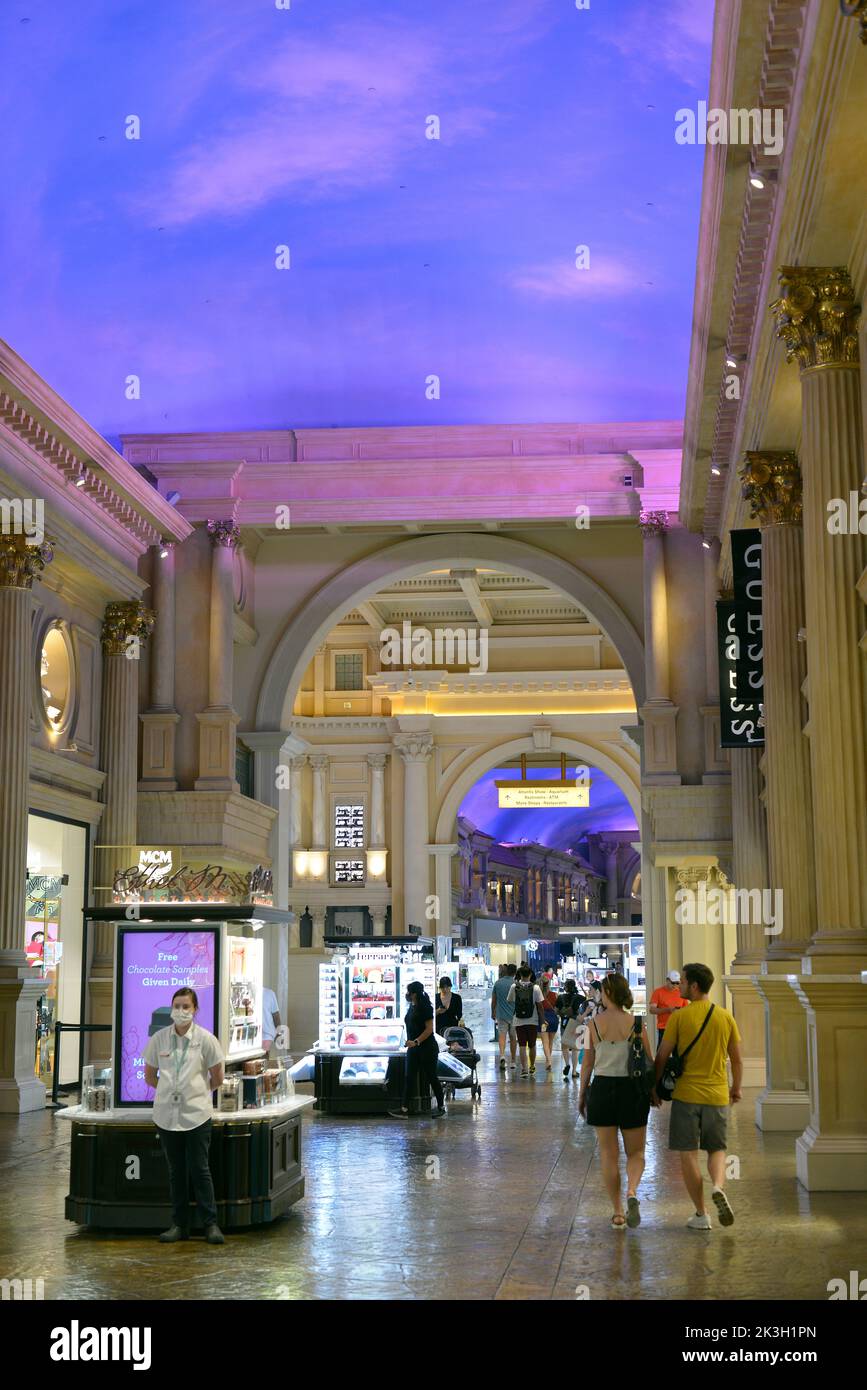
<point x="408" y="256"/>
<point x="608" y="810"/>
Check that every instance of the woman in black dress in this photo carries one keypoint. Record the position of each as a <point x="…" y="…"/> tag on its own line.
<point x="422" y="1053"/>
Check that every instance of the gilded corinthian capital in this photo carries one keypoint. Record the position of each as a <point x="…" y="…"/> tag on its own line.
<point x="224" y="533"/>
<point x="21" y="562"/>
<point x="125" y="621"/>
<point x="817" y="315"/>
<point x="653" y="524"/>
<point x="772" y="486"/>
<point x="859" y="8"/>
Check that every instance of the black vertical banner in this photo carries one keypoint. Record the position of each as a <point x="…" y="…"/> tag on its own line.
<point x="747" y="582"/>
<point x="739" y="721"/>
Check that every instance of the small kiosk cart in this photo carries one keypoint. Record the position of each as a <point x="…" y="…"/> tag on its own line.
<point x="359" y="1057"/>
<point x="118" y="1174"/>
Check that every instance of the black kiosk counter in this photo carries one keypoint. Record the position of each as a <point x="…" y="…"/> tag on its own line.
<point x="358" y="1061"/>
<point x="118" y="1172"/>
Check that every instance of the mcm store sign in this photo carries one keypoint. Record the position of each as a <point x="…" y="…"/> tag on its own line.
<point x="176" y="875"/>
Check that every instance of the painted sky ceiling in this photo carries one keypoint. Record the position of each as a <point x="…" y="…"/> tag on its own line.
<point x="608" y="810"/>
<point x="409" y="257"/>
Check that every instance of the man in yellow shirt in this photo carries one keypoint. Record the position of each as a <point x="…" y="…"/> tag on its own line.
<point x="702" y="1095"/>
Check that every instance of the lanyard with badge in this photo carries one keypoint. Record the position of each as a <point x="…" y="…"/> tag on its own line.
<point x="178" y="1060"/>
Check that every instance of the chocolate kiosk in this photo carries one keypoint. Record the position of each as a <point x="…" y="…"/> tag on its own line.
<point x="118" y="1172"/>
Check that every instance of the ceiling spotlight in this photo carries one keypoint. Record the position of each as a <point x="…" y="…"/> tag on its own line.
<point x="172" y="498"/>
<point x="706" y="544"/>
<point x="731" y="361"/>
<point x="715" y="470"/>
<point x="756" y="180"/>
<point x="79" y="482"/>
<point x="163" y="552"/>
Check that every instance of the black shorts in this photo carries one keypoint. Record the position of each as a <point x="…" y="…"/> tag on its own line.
<point x="616" y="1101"/>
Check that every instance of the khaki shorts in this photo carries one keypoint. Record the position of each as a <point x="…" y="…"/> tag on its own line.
<point x="505" y="1026"/>
<point x="697" y="1127"/>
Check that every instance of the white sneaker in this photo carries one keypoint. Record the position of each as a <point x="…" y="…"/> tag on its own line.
<point x="699" y="1223"/>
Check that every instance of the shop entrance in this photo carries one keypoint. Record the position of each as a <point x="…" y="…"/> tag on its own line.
<point x="52" y="935"/>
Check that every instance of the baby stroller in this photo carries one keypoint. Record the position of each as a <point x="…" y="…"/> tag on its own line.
<point x="461" y="1047"/>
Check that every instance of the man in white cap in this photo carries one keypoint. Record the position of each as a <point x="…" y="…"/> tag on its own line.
<point x="665" y="1000"/>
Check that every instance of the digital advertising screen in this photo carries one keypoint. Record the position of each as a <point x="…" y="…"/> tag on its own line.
<point x="151" y="964"/>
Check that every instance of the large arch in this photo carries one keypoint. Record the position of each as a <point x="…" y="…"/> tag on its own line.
<point x="403" y="560"/>
<point x="512" y="748"/>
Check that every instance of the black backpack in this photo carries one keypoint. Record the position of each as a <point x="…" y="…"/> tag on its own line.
<point x="524" y="1004"/>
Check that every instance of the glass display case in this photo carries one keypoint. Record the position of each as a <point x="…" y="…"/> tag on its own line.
<point x="243" y="999"/>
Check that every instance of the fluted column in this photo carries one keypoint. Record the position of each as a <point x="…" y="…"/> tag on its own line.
<point x="296" y="773"/>
<point x="159" y="723"/>
<point x="772" y="485"/>
<point x="818" y="319"/>
<point x="376" y="763"/>
<point x="319" y="763"/>
<point x="609" y="849"/>
<point x="415" y="750"/>
<point x="658" y="714"/>
<point x="443" y="855"/>
<point x="217" y="724"/>
<point x="125" y="627"/>
<point x="20" y="563"/>
<point x="750" y="845"/>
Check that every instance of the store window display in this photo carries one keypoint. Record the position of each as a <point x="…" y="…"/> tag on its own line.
<point x="52" y="935"/>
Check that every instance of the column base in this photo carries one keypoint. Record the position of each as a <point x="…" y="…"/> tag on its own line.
<point x="755" y="1072"/>
<point x="782" y="1111"/>
<point x="19" y="1097"/>
<point x="217" y="751"/>
<point x="100" y="1010"/>
<point x="159" y="728"/>
<point x="834" y="1163"/>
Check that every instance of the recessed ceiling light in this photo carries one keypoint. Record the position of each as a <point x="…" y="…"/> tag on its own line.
<point x="757" y="181"/>
<point x="715" y="470"/>
<point x="79" y="482"/>
<point x="706" y="544"/>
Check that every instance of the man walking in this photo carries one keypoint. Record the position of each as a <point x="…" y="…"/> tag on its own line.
<point x="526" y="996"/>
<point x="704" y="1035"/>
<point x="665" y="1000"/>
<point x="503" y="1014"/>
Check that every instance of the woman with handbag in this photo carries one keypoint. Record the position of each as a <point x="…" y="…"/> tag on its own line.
<point x="620" y="1095"/>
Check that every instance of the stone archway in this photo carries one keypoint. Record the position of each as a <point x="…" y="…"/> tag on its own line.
<point x="406" y="558"/>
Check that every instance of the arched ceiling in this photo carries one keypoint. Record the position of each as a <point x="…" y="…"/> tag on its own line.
<point x="306" y="126"/>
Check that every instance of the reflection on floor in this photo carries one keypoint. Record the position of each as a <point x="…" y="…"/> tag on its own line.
<point x="502" y="1200"/>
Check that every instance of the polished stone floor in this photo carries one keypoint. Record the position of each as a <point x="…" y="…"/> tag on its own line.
<point x="499" y="1201"/>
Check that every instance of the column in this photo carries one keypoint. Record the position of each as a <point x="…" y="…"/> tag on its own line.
<point x="217" y="724"/>
<point x="415" y="749"/>
<point x="296" y="772"/>
<point x="443" y="855"/>
<point x="159" y="723"/>
<point x="318" y="915"/>
<point x="376" y="763"/>
<point x="378" y="918"/>
<point x="20" y="564"/>
<point x="125" y="626"/>
<point x="772" y="485"/>
<point x="274" y="777"/>
<point x="817" y="318"/>
<point x="658" y="713"/>
<point x="609" y="848"/>
<point x="750" y="842"/>
<point x="319" y="763"/>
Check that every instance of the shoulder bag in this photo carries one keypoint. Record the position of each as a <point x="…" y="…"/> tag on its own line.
<point x="675" y="1064"/>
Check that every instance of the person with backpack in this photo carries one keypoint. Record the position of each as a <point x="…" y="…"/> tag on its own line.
<point x="696" y="1045"/>
<point x="569" y="1010"/>
<point x="503" y="1014"/>
<point x="529" y="1018"/>
<point x="552" y="1021"/>
<point x="619" y="1097"/>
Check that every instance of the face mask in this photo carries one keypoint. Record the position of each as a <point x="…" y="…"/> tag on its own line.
<point x="182" y="1015"/>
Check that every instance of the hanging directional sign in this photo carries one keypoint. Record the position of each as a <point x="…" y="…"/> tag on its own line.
<point x="526" y="794"/>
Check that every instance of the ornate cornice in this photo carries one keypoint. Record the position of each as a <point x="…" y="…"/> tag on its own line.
<point x="653" y="524"/>
<point x="852" y="8"/>
<point x="772" y="485"/>
<point x="20" y="562"/>
<point x="414" y="748"/>
<point x="123" y="621"/>
<point x="817" y="316"/>
<point x="225" y="533"/>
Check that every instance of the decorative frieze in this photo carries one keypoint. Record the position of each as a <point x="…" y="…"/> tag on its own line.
<point x="817" y="316"/>
<point x="772" y="486"/>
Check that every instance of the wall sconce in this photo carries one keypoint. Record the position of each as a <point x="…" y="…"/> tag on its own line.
<point x="376" y="861"/>
<point x="318" y="863"/>
<point x="301" y="863"/>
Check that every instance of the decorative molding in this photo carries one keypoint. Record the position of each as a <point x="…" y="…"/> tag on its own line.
<point x="224" y="533"/>
<point x="818" y="316"/>
<point x="856" y="9"/>
<point x="772" y="485"/>
<point x="414" y="748"/>
<point x="653" y="524"/>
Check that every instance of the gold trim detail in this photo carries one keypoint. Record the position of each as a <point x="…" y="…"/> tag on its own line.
<point x="817" y="316"/>
<point x="852" y="8"/>
<point x="20" y="562"/>
<point x="122" y="622"/>
<point x="772" y="485"/>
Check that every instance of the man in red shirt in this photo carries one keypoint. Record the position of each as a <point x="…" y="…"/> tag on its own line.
<point x="665" y="1000"/>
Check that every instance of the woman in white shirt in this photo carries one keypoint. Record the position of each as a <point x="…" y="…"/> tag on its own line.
<point x="185" y="1064"/>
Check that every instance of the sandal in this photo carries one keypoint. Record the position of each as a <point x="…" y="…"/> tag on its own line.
<point x="633" y="1212"/>
<point x="618" y="1223"/>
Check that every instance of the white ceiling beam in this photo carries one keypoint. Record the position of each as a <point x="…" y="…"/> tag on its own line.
<point x="470" y="586"/>
<point x="371" y="614"/>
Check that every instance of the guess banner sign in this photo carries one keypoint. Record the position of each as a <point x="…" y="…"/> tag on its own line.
<point x="747" y="580"/>
<point x="739" y="721"/>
